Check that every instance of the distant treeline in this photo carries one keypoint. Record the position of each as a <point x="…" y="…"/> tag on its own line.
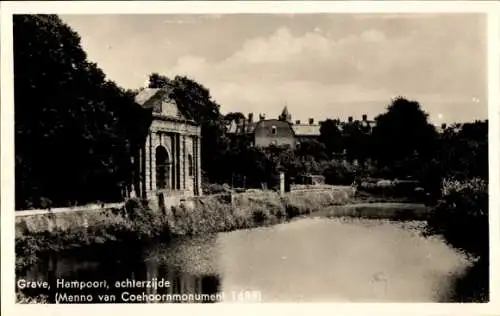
<point x="401" y="144"/>
<point x="75" y="132"/>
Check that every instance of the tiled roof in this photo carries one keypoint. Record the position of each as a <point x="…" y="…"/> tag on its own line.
<point x="306" y="130"/>
<point x="145" y="95"/>
<point x="158" y="99"/>
<point x="264" y="128"/>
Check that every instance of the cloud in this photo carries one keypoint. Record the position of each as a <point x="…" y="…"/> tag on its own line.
<point x="313" y="70"/>
<point x="304" y="71"/>
<point x="329" y="65"/>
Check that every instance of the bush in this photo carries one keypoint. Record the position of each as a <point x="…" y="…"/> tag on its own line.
<point x="461" y="217"/>
<point x="339" y="172"/>
<point x="215" y="188"/>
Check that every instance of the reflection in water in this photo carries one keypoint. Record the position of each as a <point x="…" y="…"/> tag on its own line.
<point x="120" y="268"/>
<point x="305" y="260"/>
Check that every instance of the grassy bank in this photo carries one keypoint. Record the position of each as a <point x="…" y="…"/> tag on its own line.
<point x="138" y="221"/>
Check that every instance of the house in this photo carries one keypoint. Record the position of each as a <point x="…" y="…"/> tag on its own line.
<point x="283" y="130"/>
<point x="168" y="163"/>
<point x="273" y="132"/>
<point x="280" y="131"/>
<point x="305" y="132"/>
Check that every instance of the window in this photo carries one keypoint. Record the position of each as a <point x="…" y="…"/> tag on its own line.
<point x="190" y="165"/>
<point x="274" y="131"/>
<point x="162" y="168"/>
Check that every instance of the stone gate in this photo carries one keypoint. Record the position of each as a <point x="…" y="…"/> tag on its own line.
<point x="168" y="165"/>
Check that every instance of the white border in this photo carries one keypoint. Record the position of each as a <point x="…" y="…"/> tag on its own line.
<point x="138" y="7"/>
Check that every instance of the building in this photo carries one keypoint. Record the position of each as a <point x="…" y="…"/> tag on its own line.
<point x="283" y="130"/>
<point x="305" y="132"/>
<point x="169" y="162"/>
<point x="280" y="131"/>
<point x="273" y="132"/>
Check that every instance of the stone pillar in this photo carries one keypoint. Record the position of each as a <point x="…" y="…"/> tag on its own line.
<point x="282" y="183"/>
<point x="155" y="142"/>
<point x="183" y="159"/>
<point x="146" y="181"/>
<point x="173" y="169"/>
<point x="198" y="165"/>
<point x="178" y="160"/>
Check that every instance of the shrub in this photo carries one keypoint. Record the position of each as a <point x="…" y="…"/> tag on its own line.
<point x="339" y="172"/>
<point x="461" y="217"/>
<point x="215" y="188"/>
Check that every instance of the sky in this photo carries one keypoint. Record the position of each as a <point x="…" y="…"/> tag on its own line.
<point x="319" y="65"/>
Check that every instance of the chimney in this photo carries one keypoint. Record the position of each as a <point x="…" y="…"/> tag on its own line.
<point x="365" y="117"/>
<point x="262" y="117"/>
<point x="250" y="117"/>
<point x="297" y="122"/>
<point x="311" y="121"/>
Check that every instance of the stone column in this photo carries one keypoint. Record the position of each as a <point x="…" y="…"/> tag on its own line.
<point x="146" y="181"/>
<point x="198" y="165"/>
<point x="183" y="160"/>
<point x="178" y="168"/>
<point x="282" y="183"/>
<point x="155" y="142"/>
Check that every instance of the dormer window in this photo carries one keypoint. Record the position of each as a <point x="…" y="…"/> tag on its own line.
<point x="157" y="107"/>
<point x="274" y="131"/>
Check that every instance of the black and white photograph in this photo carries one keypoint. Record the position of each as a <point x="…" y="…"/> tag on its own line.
<point x="324" y="157"/>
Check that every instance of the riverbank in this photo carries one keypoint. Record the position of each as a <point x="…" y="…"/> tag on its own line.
<point x="138" y="221"/>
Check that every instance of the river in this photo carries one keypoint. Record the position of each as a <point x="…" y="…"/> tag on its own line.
<point x="314" y="259"/>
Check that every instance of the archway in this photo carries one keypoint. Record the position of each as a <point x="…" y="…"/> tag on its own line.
<point x="162" y="168"/>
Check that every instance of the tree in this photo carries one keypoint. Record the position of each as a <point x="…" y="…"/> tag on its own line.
<point x="158" y="81"/>
<point x="312" y="148"/>
<point x="403" y="132"/>
<point x="331" y="136"/>
<point x="356" y="141"/>
<point x="74" y="130"/>
<point x="234" y="116"/>
<point x="463" y="150"/>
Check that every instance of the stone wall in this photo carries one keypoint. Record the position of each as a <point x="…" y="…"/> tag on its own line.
<point x="63" y="218"/>
<point x="84" y="216"/>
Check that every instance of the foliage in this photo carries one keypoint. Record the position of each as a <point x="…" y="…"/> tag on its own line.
<point x="339" y="172"/>
<point x="331" y="136"/>
<point x="75" y="131"/>
<point x="356" y="139"/>
<point x="312" y="149"/>
<point x="215" y="188"/>
<point x="461" y="218"/>
<point x="463" y="208"/>
<point x="236" y="116"/>
<point x="403" y="131"/>
<point x="463" y="152"/>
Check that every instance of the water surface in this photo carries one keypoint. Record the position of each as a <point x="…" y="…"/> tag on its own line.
<point x="308" y="260"/>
